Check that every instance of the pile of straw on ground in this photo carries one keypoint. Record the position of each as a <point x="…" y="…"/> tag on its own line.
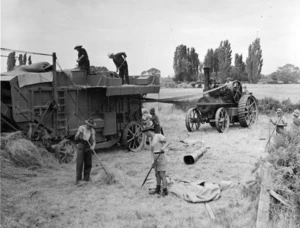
<point x="18" y="151"/>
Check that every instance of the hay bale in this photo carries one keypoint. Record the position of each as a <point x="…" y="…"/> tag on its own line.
<point x="17" y="150"/>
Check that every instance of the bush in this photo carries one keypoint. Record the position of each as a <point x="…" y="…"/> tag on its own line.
<point x="269" y="104"/>
<point x="284" y="155"/>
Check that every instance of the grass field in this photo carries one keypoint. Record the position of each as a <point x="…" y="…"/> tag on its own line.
<point x="260" y="91"/>
<point x="47" y="196"/>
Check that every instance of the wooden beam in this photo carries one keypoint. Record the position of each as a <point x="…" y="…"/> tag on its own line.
<point x="262" y="220"/>
<point x="209" y="211"/>
<point x="279" y="198"/>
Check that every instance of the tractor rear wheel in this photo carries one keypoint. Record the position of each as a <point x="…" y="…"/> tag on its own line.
<point x="133" y="137"/>
<point x="247" y="110"/>
<point x="192" y="119"/>
<point x="222" y="120"/>
<point x="66" y="151"/>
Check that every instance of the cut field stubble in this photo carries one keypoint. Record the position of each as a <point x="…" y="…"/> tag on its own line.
<point x="116" y="200"/>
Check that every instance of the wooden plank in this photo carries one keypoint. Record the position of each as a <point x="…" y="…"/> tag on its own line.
<point x="209" y="211"/>
<point x="262" y="219"/>
<point x="279" y="198"/>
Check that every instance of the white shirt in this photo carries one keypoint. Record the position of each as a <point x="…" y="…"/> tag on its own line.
<point x="86" y="134"/>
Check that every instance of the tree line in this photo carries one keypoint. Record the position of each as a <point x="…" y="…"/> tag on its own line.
<point x="187" y="66"/>
<point x="12" y="59"/>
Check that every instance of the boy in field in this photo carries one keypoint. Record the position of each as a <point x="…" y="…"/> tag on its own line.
<point x="158" y="146"/>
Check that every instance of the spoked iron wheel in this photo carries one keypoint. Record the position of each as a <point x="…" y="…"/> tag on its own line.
<point x="66" y="151"/>
<point x="237" y="91"/>
<point x="133" y="137"/>
<point x="222" y="120"/>
<point x="247" y="110"/>
<point x="192" y="120"/>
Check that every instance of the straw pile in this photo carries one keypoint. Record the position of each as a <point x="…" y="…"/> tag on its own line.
<point x="18" y="151"/>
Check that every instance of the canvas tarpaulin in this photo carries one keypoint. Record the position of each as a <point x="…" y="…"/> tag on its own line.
<point x="28" y="78"/>
<point x="197" y="191"/>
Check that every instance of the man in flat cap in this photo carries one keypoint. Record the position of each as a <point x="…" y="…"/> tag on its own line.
<point x="87" y="141"/>
<point x="121" y="64"/>
<point x="281" y="121"/>
<point x="83" y="59"/>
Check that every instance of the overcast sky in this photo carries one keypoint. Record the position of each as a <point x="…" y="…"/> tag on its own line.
<point x="149" y="31"/>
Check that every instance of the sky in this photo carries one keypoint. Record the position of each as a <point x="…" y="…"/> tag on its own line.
<point x="149" y="31"/>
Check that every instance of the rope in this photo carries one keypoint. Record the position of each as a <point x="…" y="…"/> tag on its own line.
<point x="29" y="52"/>
<point x="57" y="63"/>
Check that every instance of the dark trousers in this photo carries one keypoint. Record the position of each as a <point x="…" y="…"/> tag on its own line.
<point x="84" y="161"/>
<point x="86" y="67"/>
<point x="157" y="129"/>
<point x="123" y="73"/>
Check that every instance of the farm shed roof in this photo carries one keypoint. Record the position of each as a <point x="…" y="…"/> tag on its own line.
<point x="27" y="78"/>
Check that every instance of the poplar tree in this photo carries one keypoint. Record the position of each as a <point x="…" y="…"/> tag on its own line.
<point x="238" y="70"/>
<point x="24" y="59"/>
<point x="11" y="61"/>
<point x="254" y="61"/>
<point x="224" y="58"/>
<point x="20" y="59"/>
<point x="185" y="63"/>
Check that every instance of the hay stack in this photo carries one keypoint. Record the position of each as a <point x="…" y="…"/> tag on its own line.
<point x="18" y="151"/>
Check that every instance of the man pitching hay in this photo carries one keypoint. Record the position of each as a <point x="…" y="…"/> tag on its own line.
<point x="280" y="123"/>
<point x="87" y="141"/>
<point x="158" y="146"/>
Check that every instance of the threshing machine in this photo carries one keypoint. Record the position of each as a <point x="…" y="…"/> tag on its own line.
<point x="50" y="105"/>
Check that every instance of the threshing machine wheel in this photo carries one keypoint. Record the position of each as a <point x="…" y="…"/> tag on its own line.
<point x="237" y="91"/>
<point x="247" y="110"/>
<point x="222" y="120"/>
<point x="192" y="119"/>
<point x="133" y="137"/>
<point x="66" y="151"/>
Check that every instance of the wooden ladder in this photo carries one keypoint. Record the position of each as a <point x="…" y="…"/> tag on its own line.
<point x="61" y="113"/>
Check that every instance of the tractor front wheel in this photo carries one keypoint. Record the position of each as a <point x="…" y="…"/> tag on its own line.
<point x="192" y="120"/>
<point x="222" y="120"/>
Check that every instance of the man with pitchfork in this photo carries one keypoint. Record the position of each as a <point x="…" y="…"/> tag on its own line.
<point x="280" y="123"/>
<point x="121" y="64"/>
<point x="87" y="142"/>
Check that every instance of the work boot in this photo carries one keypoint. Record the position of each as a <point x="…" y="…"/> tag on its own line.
<point x="164" y="192"/>
<point x="156" y="191"/>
